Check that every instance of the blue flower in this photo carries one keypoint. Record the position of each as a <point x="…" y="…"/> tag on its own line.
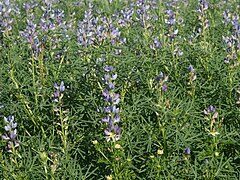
<point x="11" y="133"/>
<point x="162" y="79"/>
<point x="187" y="151"/>
<point x="108" y="68"/>
<point x="62" y="87"/>
<point x="111" y="110"/>
<point x="209" y="110"/>
<point x="191" y="69"/>
<point x="59" y="90"/>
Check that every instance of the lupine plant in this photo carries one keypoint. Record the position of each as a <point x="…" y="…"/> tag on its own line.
<point x="10" y="137"/>
<point x="212" y="116"/>
<point x="173" y="22"/>
<point x="163" y="75"/>
<point x="112" y="119"/>
<point x="203" y="20"/>
<point x="232" y="41"/>
<point x="191" y="78"/>
<point x="11" y="134"/>
<point x="61" y="114"/>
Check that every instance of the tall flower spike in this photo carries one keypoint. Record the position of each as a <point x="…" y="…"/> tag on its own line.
<point x="111" y="110"/>
<point x="162" y="79"/>
<point x="232" y="40"/>
<point x="59" y="91"/>
<point x="212" y="116"/>
<point x="192" y="74"/>
<point x="11" y="133"/>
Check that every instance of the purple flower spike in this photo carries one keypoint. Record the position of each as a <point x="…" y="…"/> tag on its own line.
<point x="156" y="44"/>
<point x="11" y="133"/>
<point x="111" y="98"/>
<point x="59" y="89"/>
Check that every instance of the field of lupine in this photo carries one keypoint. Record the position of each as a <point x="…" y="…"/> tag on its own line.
<point x="120" y="89"/>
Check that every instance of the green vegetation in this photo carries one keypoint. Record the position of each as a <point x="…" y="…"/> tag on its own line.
<point x="117" y="89"/>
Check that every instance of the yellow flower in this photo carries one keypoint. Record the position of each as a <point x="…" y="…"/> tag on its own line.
<point x="160" y="152"/>
<point x="109" y="177"/>
<point x="117" y="146"/>
<point x="95" y="142"/>
<point x="129" y="160"/>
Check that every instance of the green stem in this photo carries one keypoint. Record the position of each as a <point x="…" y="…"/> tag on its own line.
<point x="33" y="82"/>
<point x="22" y="99"/>
<point x="59" y="67"/>
<point x="104" y="156"/>
<point x="64" y="133"/>
<point x="14" y="154"/>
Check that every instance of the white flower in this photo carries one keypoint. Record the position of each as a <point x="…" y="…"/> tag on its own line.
<point x="213" y="133"/>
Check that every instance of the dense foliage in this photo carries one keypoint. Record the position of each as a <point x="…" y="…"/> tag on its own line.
<point x="120" y="89"/>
